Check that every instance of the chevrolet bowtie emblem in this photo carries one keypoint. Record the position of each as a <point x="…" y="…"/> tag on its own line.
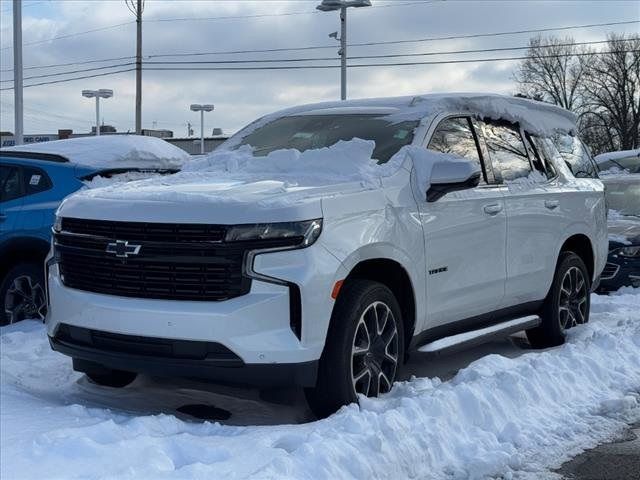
<point x="122" y="248"/>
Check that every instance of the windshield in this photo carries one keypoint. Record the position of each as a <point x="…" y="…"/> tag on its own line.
<point x="307" y="132"/>
<point x="624" y="195"/>
<point x="630" y="164"/>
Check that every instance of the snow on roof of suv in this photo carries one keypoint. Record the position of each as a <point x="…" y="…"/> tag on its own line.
<point x="536" y="117"/>
<point x="111" y="151"/>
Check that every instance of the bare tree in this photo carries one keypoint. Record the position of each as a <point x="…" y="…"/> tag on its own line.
<point x="553" y="72"/>
<point x="612" y="95"/>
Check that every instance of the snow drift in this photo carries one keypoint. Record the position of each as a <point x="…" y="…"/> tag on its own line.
<point x="498" y="416"/>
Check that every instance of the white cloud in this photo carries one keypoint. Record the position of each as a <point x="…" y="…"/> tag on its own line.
<point x="241" y="96"/>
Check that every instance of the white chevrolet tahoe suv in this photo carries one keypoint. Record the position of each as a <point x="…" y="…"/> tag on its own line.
<point x="475" y="215"/>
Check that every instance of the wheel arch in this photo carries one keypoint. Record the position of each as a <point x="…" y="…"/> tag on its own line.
<point x="581" y="245"/>
<point x="394" y="276"/>
<point x="22" y="249"/>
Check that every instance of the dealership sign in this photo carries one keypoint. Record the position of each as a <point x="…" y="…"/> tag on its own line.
<point x="10" y="141"/>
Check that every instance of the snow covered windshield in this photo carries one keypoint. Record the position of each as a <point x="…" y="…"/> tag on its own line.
<point x="309" y="132"/>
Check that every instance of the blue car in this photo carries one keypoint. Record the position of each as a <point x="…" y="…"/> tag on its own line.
<point x="34" y="179"/>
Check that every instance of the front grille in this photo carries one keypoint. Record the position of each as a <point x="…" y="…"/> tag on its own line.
<point x="610" y="271"/>
<point x="174" y="262"/>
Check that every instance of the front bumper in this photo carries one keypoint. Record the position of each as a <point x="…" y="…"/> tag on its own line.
<point x="620" y="272"/>
<point x="256" y="328"/>
<point x="93" y="351"/>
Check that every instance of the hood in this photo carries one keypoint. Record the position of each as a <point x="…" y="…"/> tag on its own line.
<point x="236" y="187"/>
<point x="624" y="230"/>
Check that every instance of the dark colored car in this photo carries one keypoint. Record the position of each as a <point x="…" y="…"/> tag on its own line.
<point x="622" y="190"/>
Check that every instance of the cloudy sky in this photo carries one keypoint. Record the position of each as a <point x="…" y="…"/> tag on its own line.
<point x="241" y="96"/>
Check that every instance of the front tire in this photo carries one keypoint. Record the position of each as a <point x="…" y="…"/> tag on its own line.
<point x="22" y="293"/>
<point x="567" y="304"/>
<point x="363" y="350"/>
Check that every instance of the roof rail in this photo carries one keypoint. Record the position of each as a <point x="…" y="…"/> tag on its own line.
<point x="48" y="157"/>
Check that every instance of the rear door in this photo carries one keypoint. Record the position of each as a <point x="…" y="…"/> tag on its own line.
<point x="534" y="207"/>
<point x="464" y="235"/>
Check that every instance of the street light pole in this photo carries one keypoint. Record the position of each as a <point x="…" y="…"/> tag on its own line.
<point x="342" y="5"/>
<point x="195" y="107"/>
<point x="97" y="116"/>
<point x="17" y="72"/>
<point x="98" y="94"/>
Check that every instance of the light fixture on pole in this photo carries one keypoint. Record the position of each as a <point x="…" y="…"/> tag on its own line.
<point x="201" y="108"/>
<point x="342" y="5"/>
<point x="98" y="94"/>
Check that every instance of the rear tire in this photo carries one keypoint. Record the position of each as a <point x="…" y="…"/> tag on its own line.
<point x="22" y="294"/>
<point x="363" y="350"/>
<point x="567" y="304"/>
<point x="112" y="378"/>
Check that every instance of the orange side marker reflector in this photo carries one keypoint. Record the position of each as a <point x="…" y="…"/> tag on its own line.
<point x="336" y="289"/>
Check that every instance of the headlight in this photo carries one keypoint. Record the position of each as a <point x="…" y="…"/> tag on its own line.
<point x="301" y="234"/>
<point x="57" y="224"/>
<point x="629" y="251"/>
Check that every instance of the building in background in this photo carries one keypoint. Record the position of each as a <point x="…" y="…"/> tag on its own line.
<point x="189" y="145"/>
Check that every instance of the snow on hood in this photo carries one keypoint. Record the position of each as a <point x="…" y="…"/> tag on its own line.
<point x="112" y="151"/>
<point x="239" y="176"/>
<point x="623" y="229"/>
<point x="286" y="184"/>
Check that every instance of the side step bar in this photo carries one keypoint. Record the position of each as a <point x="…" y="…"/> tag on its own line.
<point x="482" y="335"/>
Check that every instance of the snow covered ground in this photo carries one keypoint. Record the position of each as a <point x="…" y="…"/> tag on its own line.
<point x="496" y="411"/>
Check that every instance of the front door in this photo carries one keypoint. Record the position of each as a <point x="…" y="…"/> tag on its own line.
<point x="465" y="235"/>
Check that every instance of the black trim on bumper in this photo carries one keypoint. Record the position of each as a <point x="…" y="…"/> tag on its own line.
<point x="175" y="358"/>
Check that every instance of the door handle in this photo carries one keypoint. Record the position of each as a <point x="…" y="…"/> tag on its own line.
<point x="493" y="209"/>
<point x="551" y="204"/>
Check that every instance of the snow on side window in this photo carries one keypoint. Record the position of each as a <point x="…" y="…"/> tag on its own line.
<point x="508" y="153"/>
<point x="575" y="155"/>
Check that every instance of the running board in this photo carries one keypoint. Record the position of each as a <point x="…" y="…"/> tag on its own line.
<point x="482" y="335"/>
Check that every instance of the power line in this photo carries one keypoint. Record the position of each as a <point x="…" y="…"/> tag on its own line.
<point x="79" y="62"/>
<point x="60" y="37"/>
<point x="295" y="60"/>
<point x="294" y="49"/>
<point x="72" y="79"/>
<point x="360" y="65"/>
<point x="73" y="71"/>
<point x="393" y="55"/>
<point x="230" y="17"/>
<point x="393" y="42"/>
<point x="284" y="14"/>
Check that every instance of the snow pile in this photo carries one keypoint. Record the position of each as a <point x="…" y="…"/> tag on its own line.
<point x="112" y="151"/>
<point x="499" y="416"/>
<point x="341" y="162"/>
<point x="100" y="181"/>
<point x="237" y="176"/>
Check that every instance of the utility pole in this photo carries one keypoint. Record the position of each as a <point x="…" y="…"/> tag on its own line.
<point x="17" y="72"/>
<point x="137" y="7"/>
<point x="139" y="67"/>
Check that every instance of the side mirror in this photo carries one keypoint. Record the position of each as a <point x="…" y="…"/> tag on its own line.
<point x="451" y="176"/>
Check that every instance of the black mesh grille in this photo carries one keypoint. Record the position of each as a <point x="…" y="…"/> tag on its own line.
<point x="175" y="261"/>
